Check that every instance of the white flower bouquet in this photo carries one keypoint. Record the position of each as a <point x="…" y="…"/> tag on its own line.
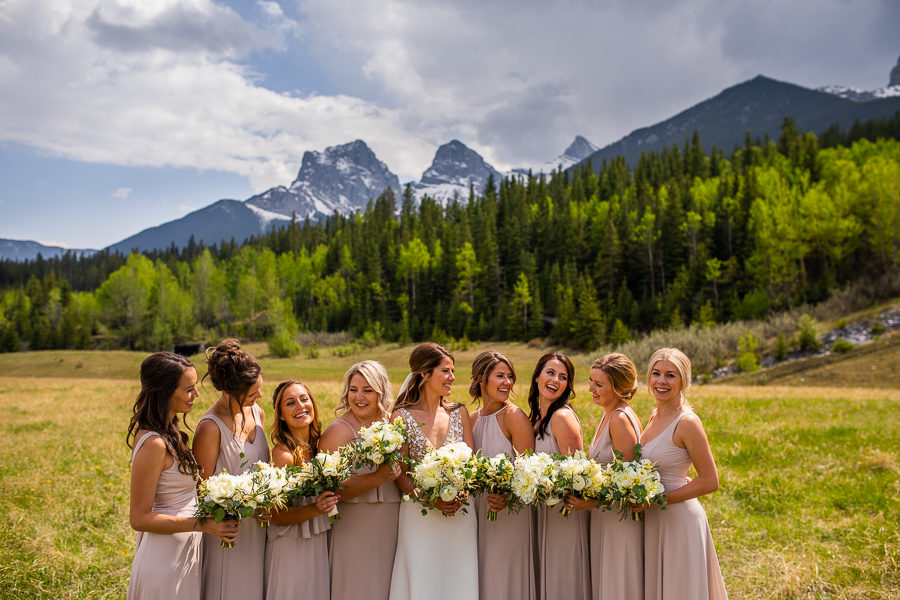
<point x="494" y="475"/>
<point x="633" y="482"/>
<point x="270" y="488"/>
<point x="577" y="475"/>
<point x="227" y="496"/>
<point x="326" y="471"/>
<point x="446" y="473"/>
<point x="534" y="478"/>
<point x="378" y="443"/>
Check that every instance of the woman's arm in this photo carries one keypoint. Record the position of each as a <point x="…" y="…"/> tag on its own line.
<point x="151" y="460"/>
<point x="566" y="429"/>
<point x="517" y="429"/>
<point x="338" y="435"/>
<point x="468" y="438"/>
<point x="624" y="437"/>
<point x="690" y="435"/>
<point x="293" y="515"/>
<point x="206" y="447"/>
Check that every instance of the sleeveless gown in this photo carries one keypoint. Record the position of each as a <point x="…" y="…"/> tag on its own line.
<point x="167" y="565"/>
<point x="436" y="555"/>
<point x="363" y="542"/>
<point x="680" y="561"/>
<point x="236" y="573"/>
<point x="563" y="570"/>
<point x="297" y="558"/>
<point x="505" y="546"/>
<point x="617" y="546"/>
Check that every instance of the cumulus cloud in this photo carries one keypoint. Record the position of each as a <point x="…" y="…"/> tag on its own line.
<point x="172" y="82"/>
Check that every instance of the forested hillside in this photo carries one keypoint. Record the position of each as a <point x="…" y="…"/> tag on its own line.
<point x="589" y="257"/>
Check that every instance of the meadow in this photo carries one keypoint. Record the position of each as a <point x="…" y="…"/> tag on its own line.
<point x="807" y="509"/>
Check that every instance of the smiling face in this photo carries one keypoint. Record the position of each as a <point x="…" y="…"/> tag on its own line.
<point x="254" y="393"/>
<point x="183" y="397"/>
<point x="440" y="380"/>
<point x="498" y="384"/>
<point x="665" y="381"/>
<point x="296" y="409"/>
<point x="552" y="380"/>
<point x="602" y="388"/>
<point x="362" y="399"/>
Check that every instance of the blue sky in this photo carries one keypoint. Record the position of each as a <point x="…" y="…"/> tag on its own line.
<point x="117" y="115"/>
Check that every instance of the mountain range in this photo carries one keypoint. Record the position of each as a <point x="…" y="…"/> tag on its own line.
<point x="346" y="177"/>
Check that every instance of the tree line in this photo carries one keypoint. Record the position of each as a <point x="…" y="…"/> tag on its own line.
<point x="586" y="257"/>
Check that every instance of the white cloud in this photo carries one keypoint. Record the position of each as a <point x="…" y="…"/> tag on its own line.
<point x="121" y="193"/>
<point x="167" y="83"/>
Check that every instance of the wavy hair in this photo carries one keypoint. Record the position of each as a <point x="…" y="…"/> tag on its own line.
<point x="424" y="359"/>
<point x="376" y="376"/>
<point x="534" y="397"/>
<point x="281" y="433"/>
<point x="482" y="367"/>
<point x="160" y="374"/>
<point x="621" y="372"/>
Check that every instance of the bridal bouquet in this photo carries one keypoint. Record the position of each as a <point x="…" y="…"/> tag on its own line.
<point x="494" y="475"/>
<point x="378" y="443"/>
<point x="534" y="478"/>
<point x="579" y="476"/>
<point x="270" y="488"/>
<point x="633" y="482"/>
<point x="227" y="496"/>
<point x="324" y="472"/>
<point x="446" y="473"/>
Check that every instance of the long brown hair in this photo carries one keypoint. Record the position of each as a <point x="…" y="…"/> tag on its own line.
<point x="160" y="374"/>
<point x="232" y="371"/>
<point x="424" y="359"/>
<point x="534" y="396"/>
<point x="482" y="367"/>
<point x="281" y="433"/>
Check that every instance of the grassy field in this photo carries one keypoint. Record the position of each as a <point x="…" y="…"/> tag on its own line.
<point x="808" y="506"/>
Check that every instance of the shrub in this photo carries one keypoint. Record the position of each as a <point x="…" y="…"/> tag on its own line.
<point x="283" y="345"/>
<point x="807" y="333"/>
<point x="878" y="328"/>
<point x="781" y="347"/>
<point x="841" y="345"/>
<point x="747" y="361"/>
<point x="312" y="351"/>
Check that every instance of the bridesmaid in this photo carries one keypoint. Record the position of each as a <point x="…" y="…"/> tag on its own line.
<point x="297" y="548"/>
<point x="505" y="546"/>
<point x="617" y="546"/>
<point x="680" y="560"/>
<point x="230" y="436"/>
<point x="163" y="485"/>
<point x="563" y="569"/>
<point x="362" y="544"/>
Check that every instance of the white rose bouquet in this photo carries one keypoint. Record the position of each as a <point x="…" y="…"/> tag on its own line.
<point x="378" y="443"/>
<point x="227" y="496"/>
<point x="446" y="473"/>
<point x="494" y="475"/>
<point x="270" y="488"/>
<point x="534" y="477"/>
<point x="577" y="475"/>
<point x="325" y="472"/>
<point x="633" y="482"/>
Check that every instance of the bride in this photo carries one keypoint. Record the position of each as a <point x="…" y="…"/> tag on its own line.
<point x="437" y="554"/>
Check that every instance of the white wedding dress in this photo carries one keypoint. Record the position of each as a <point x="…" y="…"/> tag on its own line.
<point x="437" y="556"/>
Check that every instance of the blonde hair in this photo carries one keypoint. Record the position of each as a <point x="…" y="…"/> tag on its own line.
<point x="376" y="375"/>
<point x="621" y="372"/>
<point x="682" y="364"/>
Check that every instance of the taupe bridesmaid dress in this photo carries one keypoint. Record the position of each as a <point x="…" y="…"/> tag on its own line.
<point x="297" y="559"/>
<point x="363" y="543"/>
<point x="505" y="546"/>
<point x="617" y="546"/>
<point x="167" y="565"/>
<point x="563" y="569"/>
<point x="236" y="573"/>
<point x="680" y="561"/>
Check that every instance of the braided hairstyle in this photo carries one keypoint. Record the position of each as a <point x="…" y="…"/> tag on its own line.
<point x="232" y="371"/>
<point x="160" y="374"/>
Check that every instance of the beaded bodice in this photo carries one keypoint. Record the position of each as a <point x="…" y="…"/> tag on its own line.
<point x="419" y="444"/>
